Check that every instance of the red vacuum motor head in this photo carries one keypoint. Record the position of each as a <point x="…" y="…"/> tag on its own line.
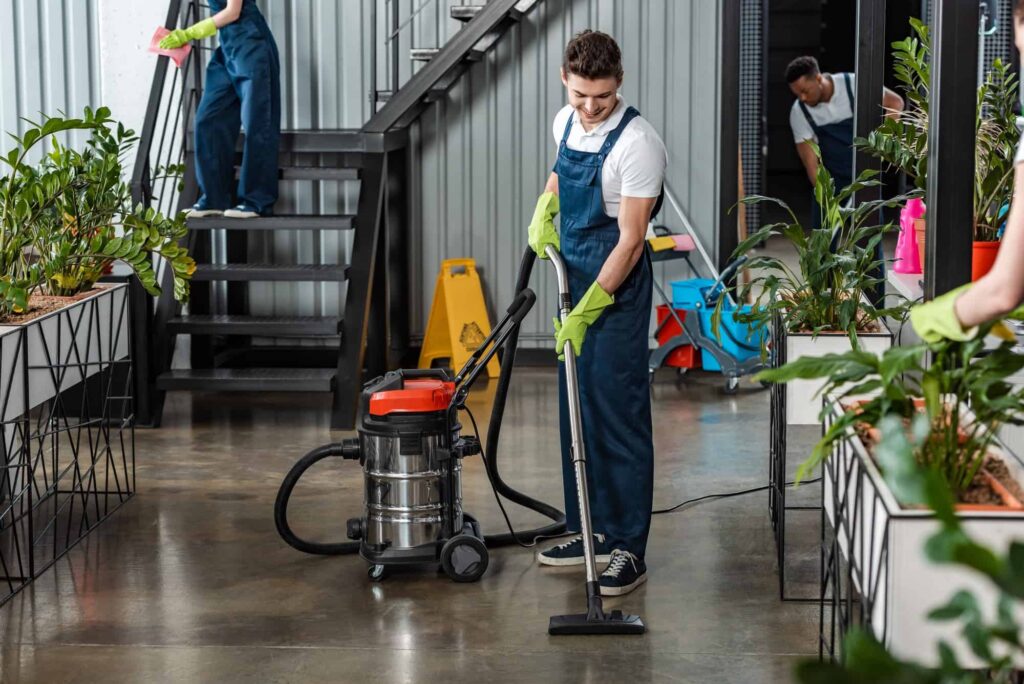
<point x="422" y="395"/>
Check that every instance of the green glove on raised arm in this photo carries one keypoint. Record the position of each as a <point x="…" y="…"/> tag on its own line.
<point x="178" y="37"/>
<point x="937" y="321"/>
<point x="542" y="228"/>
<point x="574" y="329"/>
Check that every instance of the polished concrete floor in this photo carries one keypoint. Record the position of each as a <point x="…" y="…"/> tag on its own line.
<point x="189" y="581"/>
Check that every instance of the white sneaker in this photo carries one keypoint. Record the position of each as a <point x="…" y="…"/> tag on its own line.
<point x="196" y="212"/>
<point x="241" y="212"/>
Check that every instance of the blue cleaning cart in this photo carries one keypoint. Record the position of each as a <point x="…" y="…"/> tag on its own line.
<point x="736" y="352"/>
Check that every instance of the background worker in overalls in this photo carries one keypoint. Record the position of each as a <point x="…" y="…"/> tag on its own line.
<point x="242" y="88"/>
<point x="823" y="113"/>
<point x="607" y="183"/>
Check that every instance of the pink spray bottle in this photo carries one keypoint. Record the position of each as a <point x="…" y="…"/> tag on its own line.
<point x="907" y="259"/>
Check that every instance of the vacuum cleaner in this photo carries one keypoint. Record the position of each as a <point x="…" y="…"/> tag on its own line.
<point x="411" y="448"/>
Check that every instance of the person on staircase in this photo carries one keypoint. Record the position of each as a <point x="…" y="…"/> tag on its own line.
<point x="242" y="90"/>
<point x="607" y="183"/>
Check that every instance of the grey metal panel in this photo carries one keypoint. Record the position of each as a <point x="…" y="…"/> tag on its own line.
<point x="483" y="153"/>
<point x="45" y="67"/>
<point x="479" y="157"/>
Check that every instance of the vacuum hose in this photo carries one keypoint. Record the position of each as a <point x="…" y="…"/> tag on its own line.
<point x="508" y="359"/>
<point x="349" y="449"/>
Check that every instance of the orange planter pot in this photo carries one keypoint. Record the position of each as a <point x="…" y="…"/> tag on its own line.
<point x="983" y="256"/>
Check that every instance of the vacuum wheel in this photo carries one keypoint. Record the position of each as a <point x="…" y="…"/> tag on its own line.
<point x="732" y="385"/>
<point x="464" y="558"/>
<point x="377" y="573"/>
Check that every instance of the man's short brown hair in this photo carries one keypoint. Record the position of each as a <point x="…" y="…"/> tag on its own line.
<point x="593" y="55"/>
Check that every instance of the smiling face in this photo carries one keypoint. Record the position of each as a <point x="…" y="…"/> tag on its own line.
<point x="594" y="100"/>
<point x="809" y="89"/>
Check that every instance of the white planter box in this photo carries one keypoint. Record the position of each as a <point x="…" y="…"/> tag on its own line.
<point x="56" y="351"/>
<point x="803" y="403"/>
<point x="882" y="545"/>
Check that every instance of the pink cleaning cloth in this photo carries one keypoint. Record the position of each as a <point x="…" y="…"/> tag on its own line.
<point x="684" y="243"/>
<point x="177" y="55"/>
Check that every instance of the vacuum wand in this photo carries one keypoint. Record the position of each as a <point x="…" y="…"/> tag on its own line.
<point x="594" y="621"/>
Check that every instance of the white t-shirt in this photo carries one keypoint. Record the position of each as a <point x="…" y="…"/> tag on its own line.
<point x="1020" y="153"/>
<point x="839" y="108"/>
<point x="635" y="167"/>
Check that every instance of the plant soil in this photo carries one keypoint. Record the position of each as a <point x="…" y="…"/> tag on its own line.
<point x="40" y="305"/>
<point x="980" y="491"/>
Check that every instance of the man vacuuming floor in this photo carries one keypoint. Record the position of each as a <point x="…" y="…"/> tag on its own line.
<point x="606" y="184"/>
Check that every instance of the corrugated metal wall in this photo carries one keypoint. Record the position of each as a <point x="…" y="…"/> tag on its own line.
<point x="45" y="66"/>
<point x="481" y="155"/>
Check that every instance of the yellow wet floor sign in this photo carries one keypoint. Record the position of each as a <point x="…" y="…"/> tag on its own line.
<point x="458" y="322"/>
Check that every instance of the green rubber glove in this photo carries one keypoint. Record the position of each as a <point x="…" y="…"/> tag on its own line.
<point x="937" y="321"/>
<point x="542" y="228"/>
<point x="178" y="37"/>
<point x="574" y="329"/>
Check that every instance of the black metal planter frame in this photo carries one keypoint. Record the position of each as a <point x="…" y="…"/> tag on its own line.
<point x="778" y="457"/>
<point x="777" y="462"/>
<point x="68" y="462"/>
<point x="857" y="585"/>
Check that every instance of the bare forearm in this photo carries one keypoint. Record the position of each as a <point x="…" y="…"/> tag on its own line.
<point x="1002" y="289"/>
<point x="634" y="214"/>
<point x="552" y="184"/>
<point x="229" y="14"/>
<point x="619" y="264"/>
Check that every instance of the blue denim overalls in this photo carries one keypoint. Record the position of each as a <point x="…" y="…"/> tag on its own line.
<point x="836" y="143"/>
<point x="612" y="369"/>
<point x="242" y="89"/>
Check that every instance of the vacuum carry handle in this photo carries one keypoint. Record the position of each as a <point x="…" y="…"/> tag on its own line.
<point x="478" y="360"/>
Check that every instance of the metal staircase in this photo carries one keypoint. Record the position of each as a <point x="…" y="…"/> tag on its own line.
<point x="373" y="333"/>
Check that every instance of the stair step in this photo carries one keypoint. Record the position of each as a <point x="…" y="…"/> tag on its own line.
<point x="313" y="173"/>
<point x="282" y="222"/>
<point x="426" y="54"/>
<point x="271" y="272"/>
<point x="341" y="140"/>
<point x="465" y="12"/>
<point x="423" y="54"/>
<point x="264" y="326"/>
<point x="249" y="379"/>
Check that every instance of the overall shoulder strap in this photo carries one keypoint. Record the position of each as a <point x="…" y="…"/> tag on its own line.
<point x="568" y="127"/>
<point x="613" y="137"/>
<point x="849" y="90"/>
<point x="807" y="115"/>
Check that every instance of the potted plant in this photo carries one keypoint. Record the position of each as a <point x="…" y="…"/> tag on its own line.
<point x="877" y="535"/>
<point x="902" y="142"/>
<point x="978" y="606"/>
<point x="819" y="306"/>
<point x="63" y="222"/>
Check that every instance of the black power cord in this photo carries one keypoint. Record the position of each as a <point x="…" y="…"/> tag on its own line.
<point x="689" y="503"/>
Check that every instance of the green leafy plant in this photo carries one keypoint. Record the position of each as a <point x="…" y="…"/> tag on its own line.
<point x="903" y="383"/>
<point x="902" y="142"/>
<point x="837" y="264"/>
<point x="64" y="221"/>
<point x="994" y="643"/>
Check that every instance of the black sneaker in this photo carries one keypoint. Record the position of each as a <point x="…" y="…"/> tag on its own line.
<point x="571" y="552"/>
<point x="625" y="572"/>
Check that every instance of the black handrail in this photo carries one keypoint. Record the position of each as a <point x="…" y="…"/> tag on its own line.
<point x="454" y="51"/>
<point x="162" y="143"/>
